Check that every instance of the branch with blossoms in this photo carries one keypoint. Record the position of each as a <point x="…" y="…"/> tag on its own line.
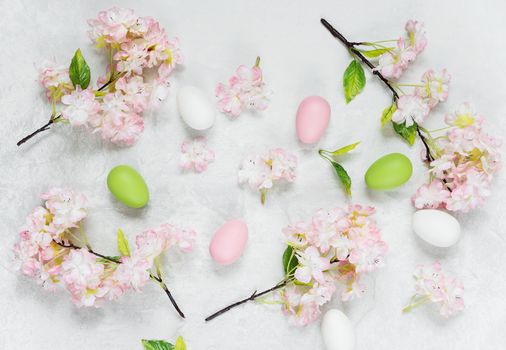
<point x="136" y="46"/>
<point x="54" y="249"/>
<point x="463" y="161"/>
<point x="331" y="251"/>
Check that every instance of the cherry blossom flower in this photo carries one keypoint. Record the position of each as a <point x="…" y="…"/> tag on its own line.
<point x="81" y="106"/>
<point x="432" y="195"/>
<point x="55" y="79"/>
<point x="245" y="90"/>
<point x="47" y="252"/>
<point x="66" y="207"/>
<point x="196" y="155"/>
<point x="435" y="87"/>
<point x="262" y="171"/>
<point x="410" y="109"/>
<point x="312" y="265"/>
<point x="433" y="284"/>
<point x="416" y="36"/>
<point x="393" y="62"/>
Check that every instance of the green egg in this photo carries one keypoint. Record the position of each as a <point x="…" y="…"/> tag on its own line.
<point x="389" y="172"/>
<point x="128" y="186"/>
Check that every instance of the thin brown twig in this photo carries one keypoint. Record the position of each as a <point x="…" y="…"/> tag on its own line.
<point x="351" y="46"/>
<point x="108" y="258"/>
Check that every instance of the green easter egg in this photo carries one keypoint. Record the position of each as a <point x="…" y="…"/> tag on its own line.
<point x="388" y="172"/>
<point x="128" y="186"/>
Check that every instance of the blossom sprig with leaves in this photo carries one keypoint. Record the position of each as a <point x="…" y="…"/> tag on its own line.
<point x="331" y="251"/>
<point x="137" y="47"/>
<point x="342" y="174"/>
<point x="164" y="345"/>
<point x="462" y="162"/>
<point x="408" y="109"/>
<point x="54" y="250"/>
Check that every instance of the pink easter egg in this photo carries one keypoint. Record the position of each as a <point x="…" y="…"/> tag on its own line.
<point x="228" y="242"/>
<point x="312" y="119"/>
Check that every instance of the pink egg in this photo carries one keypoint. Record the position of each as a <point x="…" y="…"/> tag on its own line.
<point x="312" y="119"/>
<point x="228" y="242"/>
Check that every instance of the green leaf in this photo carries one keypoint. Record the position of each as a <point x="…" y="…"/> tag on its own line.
<point x="386" y="116"/>
<point x="123" y="246"/>
<point x="376" y="53"/>
<point x="343" y="177"/>
<point x="290" y="261"/>
<point x="407" y="133"/>
<point x="353" y="80"/>
<point x="79" y="72"/>
<point x="106" y="261"/>
<point x="180" y="344"/>
<point x="343" y="150"/>
<point x="157" y="345"/>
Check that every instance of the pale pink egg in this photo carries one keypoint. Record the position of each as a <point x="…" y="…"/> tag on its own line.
<point x="312" y="119"/>
<point x="228" y="242"/>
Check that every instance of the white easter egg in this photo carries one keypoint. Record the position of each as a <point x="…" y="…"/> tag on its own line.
<point x="195" y="108"/>
<point x="436" y="227"/>
<point x="337" y="331"/>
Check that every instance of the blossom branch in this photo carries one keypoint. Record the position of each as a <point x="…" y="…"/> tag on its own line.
<point x="44" y="127"/>
<point x="357" y="53"/>
<point x="153" y="277"/>
<point x="54" y="119"/>
<point x="253" y="296"/>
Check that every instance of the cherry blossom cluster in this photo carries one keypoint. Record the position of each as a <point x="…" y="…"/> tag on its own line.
<point x="195" y="154"/>
<point x="415" y="107"/>
<point x="136" y="46"/>
<point x="333" y="250"/>
<point x="48" y="252"/>
<point x="463" y="164"/>
<point x="263" y="171"/>
<point x="245" y="90"/>
<point x="395" y="60"/>
<point x="434" y="285"/>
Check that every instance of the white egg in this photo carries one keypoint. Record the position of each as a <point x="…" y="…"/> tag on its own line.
<point x="195" y="108"/>
<point x="436" y="227"/>
<point x="337" y="331"/>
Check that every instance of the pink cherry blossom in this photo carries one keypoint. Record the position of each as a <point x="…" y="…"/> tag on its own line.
<point x="416" y="36"/>
<point x="312" y="265"/>
<point x="112" y="25"/>
<point x="392" y="63"/>
<point x="433" y="284"/>
<point x="245" y="90"/>
<point x="196" y="155"/>
<point x="432" y="195"/>
<point x="435" y="87"/>
<point x="262" y="171"/>
<point x="55" y="79"/>
<point x="184" y="238"/>
<point x="410" y="109"/>
<point x="132" y="272"/>
<point x="66" y="206"/>
<point x="80" y="106"/>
